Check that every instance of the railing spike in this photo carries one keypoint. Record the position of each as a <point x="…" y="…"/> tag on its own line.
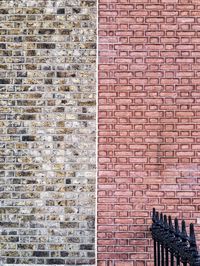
<point x="192" y="238"/>
<point x="183" y="230"/>
<point x="171" y="227"/>
<point x="176" y="226"/>
<point x="161" y="218"/>
<point x="157" y="217"/>
<point x="193" y="246"/>
<point x="154" y="215"/>
<point x="165" y="221"/>
<point x="192" y="235"/>
<point x="166" y="233"/>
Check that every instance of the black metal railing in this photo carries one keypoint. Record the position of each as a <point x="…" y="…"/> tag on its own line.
<point x="172" y="245"/>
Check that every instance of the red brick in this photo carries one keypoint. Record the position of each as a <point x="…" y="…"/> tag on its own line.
<point x="123" y="263"/>
<point x="149" y="116"/>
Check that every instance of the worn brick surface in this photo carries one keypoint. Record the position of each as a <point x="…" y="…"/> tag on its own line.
<point x="47" y="132"/>
<point x="149" y="115"/>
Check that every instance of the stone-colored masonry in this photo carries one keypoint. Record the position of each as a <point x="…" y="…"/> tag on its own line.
<point x="47" y="132"/>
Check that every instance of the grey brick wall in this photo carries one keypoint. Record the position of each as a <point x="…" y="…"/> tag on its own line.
<point x="47" y="132"/>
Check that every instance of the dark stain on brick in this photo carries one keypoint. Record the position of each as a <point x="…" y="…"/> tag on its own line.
<point x="22" y="74"/>
<point x="34" y="110"/>
<point x="13" y="233"/>
<point x="61" y="11"/>
<point x="25" y="246"/>
<point x="87" y="103"/>
<point x="28" y="117"/>
<point x="55" y="261"/>
<point x="86" y="247"/>
<point x="24" y="173"/>
<point x="40" y="253"/>
<point x="6" y="53"/>
<point x="31" y="182"/>
<point x="58" y="138"/>
<point x="74" y="240"/>
<point x="3" y="11"/>
<point x="64" y="254"/>
<point x="9" y="224"/>
<point x="18" y="39"/>
<point x="68" y="225"/>
<point x="4" y="81"/>
<point x="14" y="239"/>
<point x="85" y="117"/>
<point x="46" y="31"/>
<point x="10" y="260"/>
<point x="31" y="53"/>
<point x="91" y="254"/>
<point x="76" y="10"/>
<point x="84" y="110"/>
<point x="3" y="67"/>
<point x="64" y="32"/>
<point x="46" y="45"/>
<point x="28" y="138"/>
<point x="31" y="67"/>
<point x="48" y="81"/>
<point x="59" y="110"/>
<point x="60" y="74"/>
<point x="2" y="46"/>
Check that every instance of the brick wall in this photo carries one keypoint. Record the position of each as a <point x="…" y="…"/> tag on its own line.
<point x="47" y="132"/>
<point x="149" y="116"/>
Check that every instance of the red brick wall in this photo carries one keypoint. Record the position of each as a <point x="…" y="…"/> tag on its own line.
<point x="149" y="122"/>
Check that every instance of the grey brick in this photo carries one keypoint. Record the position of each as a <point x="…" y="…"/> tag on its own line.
<point x="47" y="132"/>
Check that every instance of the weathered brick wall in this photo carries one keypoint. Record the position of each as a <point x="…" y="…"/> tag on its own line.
<point x="149" y="116"/>
<point x="47" y="127"/>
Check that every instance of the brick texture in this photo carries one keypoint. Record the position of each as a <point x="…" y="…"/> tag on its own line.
<point x="47" y="132"/>
<point x="149" y="122"/>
